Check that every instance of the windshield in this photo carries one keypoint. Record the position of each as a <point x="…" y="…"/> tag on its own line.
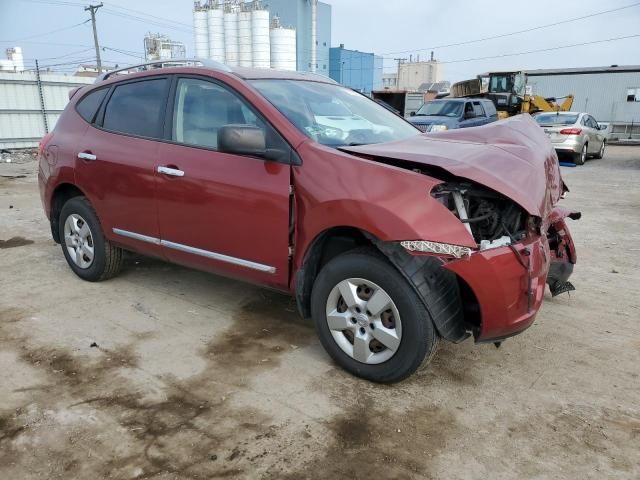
<point x="441" y="109"/>
<point x="333" y="115"/>
<point x="501" y="83"/>
<point x="556" y="119"/>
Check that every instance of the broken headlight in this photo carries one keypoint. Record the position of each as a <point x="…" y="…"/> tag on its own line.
<point x="492" y="219"/>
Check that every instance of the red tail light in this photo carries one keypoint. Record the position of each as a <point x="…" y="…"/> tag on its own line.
<point x="571" y="131"/>
<point x="43" y="143"/>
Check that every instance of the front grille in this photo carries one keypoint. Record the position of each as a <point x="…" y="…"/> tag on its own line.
<point x="422" y="128"/>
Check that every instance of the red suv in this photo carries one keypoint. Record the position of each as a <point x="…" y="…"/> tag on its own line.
<point x="389" y="239"/>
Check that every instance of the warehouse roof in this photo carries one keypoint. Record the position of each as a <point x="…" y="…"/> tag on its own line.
<point x="584" y="70"/>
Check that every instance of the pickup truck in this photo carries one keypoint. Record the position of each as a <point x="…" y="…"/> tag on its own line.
<point x="452" y="113"/>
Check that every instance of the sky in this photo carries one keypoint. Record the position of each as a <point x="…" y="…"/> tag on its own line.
<point x="397" y="28"/>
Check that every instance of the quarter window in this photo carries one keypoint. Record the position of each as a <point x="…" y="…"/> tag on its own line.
<point x="136" y="108"/>
<point x="88" y="106"/>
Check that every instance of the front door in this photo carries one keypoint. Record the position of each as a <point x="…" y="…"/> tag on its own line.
<point x="224" y="212"/>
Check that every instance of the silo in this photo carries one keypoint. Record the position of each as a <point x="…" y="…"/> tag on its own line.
<point x="245" y="58"/>
<point x="201" y="32"/>
<point x="215" y="20"/>
<point x="283" y="46"/>
<point x="231" y="46"/>
<point x="260" y="42"/>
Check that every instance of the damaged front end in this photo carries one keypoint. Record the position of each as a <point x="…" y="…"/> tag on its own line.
<point x="502" y="280"/>
<point x="503" y="183"/>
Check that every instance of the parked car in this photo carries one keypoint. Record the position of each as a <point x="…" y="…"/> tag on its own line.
<point x="390" y="240"/>
<point x="574" y="133"/>
<point x="451" y="113"/>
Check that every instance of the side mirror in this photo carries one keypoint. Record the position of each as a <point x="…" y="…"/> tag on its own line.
<point x="412" y="114"/>
<point x="242" y="140"/>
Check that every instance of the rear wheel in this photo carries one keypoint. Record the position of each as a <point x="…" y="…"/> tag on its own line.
<point x="600" y="154"/>
<point x="581" y="157"/>
<point x="89" y="254"/>
<point x="369" y="319"/>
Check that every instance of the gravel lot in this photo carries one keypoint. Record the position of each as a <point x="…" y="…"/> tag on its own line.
<point x="166" y="372"/>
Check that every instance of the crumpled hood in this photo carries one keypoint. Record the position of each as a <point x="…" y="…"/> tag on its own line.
<point x="512" y="157"/>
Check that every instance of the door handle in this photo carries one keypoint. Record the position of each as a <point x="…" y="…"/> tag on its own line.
<point x="87" y="156"/>
<point x="173" y="172"/>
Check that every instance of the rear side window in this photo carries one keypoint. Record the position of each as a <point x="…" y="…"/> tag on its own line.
<point x="478" y="110"/>
<point x="88" y="106"/>
<point x="136" y="108"/>
<point x="490" y="108"/>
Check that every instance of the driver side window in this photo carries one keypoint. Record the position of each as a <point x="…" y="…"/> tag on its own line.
<point x="468" y="110"/>
<point x="201" y="108"/>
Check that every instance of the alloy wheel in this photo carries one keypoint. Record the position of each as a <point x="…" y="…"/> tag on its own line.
<point x="79" y="241"/>
<point x="364" y="321"/>
<point x="583" y="155"/>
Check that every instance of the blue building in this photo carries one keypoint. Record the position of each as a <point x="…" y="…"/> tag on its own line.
<point x="361" y="71"/>
<point x="297" y="14"/>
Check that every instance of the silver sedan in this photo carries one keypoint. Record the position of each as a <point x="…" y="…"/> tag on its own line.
<point x="575" y="133"/>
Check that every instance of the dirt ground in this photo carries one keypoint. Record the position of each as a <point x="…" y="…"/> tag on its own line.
<point x="169" y="373"/>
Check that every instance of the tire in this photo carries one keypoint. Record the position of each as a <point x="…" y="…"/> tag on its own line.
<point x="79" y="225"/>
<point x="413" y="326"/>
<point x="580" y="157"/>
<point x="600" y="154"/>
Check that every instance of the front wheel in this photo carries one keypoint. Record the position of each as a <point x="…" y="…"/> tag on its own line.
<point x="603" y="147"/>
<point x="369" y="318"/>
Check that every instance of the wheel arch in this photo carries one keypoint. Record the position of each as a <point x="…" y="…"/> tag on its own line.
<point x="443" y="295"/>
<point x="62" y="193"/>
<point x="326" y="245"/>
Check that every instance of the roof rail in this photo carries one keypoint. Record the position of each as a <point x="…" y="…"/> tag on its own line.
<point x="205" y="62"/>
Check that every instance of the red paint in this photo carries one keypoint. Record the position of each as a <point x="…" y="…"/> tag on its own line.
<point x="512" y="157"/>
<point x="239" y="206"/>
<point x="500" y="284"/>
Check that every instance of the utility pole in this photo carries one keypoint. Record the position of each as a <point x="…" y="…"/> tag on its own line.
<point x="92" y="9"/>
<point x="399" y="60"/>
<point x="43" y="109"/>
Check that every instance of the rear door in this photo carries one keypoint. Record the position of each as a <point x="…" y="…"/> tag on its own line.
<point x="116" y="160"/>
<point x="481" y="115"/>
<point x="596" y="135"/>
<point x="224" y="212"/>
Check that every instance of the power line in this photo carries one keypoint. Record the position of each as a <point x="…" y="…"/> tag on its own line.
<point x="531" y="29"/>
<point x="541" y="49"/>
<point x="147" y="21"/>
<point x="60" y="56"/>
<point x="45" y="33"/>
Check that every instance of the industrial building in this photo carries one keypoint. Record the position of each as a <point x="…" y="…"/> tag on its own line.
<point x="288" y="34"/>
<point x="411" y="75"/>
<point x="161" y="47"/>
<point x="361" y="71"/>
<point x="390" y="81"/>
<point x="14" y="61"/>
<point x="299" y="14"/>
<point x="610" y="94"/>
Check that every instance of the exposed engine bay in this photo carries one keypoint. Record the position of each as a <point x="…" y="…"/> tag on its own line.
<point x="491" y="218"/>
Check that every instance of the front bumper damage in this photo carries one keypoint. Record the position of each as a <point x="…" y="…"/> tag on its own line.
<point x="508" y="283"/>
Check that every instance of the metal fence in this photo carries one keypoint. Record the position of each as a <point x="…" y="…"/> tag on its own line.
<point x="30" y="106"/>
